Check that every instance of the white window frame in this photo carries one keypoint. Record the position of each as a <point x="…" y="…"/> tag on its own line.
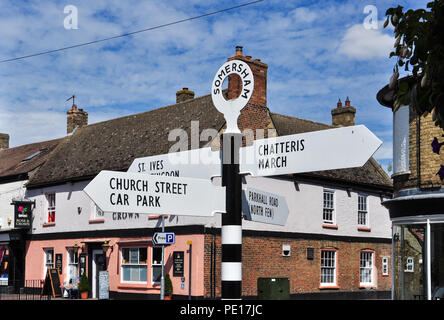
<point x="385" y="266"/>
<point x="129" y="264"/>
<point x="366" y="265"/>
<point x="409" y="264"/>
<point x="363" y="210"/>
<point x="155" y="263"/>
<point x="47" y="264"/>
<point x="328" y="263"/>
<point x="71" y="252"/>
<point x="50" y="207"/>
<point x="328" y="204"/>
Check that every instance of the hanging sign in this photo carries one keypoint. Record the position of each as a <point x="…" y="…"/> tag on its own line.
<point x="22" y="214"/>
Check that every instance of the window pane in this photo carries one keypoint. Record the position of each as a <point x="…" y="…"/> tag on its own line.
<point x="125" y="255"/>
<point x="142" y="273"/>
<point x="142" y="255"/>
<point x="157" y="255"/>
<point x="126" y="273"/>
<point x="134" y="256"/>
<point x="157" y="273"/>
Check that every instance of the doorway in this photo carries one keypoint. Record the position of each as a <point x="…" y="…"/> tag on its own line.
<point x="98" y="264"/>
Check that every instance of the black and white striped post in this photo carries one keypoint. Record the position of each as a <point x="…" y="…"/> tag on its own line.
<point x="232" y="219"/>
<point x="231" y="179"/>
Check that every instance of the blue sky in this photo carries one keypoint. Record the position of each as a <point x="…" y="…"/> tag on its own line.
<point x="316" y="53"/>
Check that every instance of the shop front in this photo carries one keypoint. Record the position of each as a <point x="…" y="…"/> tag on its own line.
<point x="418" y="247"/>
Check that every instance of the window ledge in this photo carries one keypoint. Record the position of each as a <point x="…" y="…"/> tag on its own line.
<point x="49" y="224"/>
<point x="96" y="221"/>
<point x="137" y="286"/>
<point x="329" y="287"/>
<point x="330" y="226"/>
<point x="364" y="229"/>
<point x="157" y="217"/>
<point x="367" y="286"/>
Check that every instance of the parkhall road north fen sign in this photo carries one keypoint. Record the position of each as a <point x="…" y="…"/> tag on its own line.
<point x="157" y="195"/>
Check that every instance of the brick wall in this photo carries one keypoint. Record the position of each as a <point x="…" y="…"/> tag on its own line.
<point x="262" y="257"/>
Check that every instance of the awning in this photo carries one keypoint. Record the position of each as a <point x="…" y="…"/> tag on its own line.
<point x="415" y="205"/>
<point x="4" y="237"/>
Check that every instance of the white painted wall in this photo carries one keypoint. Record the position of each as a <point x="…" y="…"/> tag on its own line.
<point x="305" y="211"/>
<point x="8" y="192"/>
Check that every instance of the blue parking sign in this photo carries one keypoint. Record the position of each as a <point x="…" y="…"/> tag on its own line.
<point x="164" y="238"/>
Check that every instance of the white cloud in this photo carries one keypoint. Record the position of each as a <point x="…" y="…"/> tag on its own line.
<point x="365" y="44"/>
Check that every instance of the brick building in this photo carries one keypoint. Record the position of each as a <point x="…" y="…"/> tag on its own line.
<point x="337" y="237"/>
<point x="416" y="208"/>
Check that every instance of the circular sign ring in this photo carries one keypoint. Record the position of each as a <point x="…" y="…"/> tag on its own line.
<point x="231" y="108"/>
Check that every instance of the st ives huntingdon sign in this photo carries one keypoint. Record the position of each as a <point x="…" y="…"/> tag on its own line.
<point x="151" y="194"/>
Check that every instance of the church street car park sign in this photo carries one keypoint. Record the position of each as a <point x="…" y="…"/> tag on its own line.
<point x="151" y="194"/>
<point x="337" y="148"/>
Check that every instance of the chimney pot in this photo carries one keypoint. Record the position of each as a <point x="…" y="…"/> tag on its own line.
<point x="238" y="50"/>
<point x="343" y="116"/>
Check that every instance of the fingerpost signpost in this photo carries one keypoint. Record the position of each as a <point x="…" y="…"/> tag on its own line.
<point x="164" y="184"/>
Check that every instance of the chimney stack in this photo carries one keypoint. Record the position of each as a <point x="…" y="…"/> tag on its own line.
<point x="75" y="118"/>
<point x="4" y="141"/>
<point x="184" y="95"/>
<point x="259" y="70"/>
<point x="343" y="116"/>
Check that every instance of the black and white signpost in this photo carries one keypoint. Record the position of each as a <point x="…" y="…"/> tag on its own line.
<point x="231" y="268"/>
<point x="163" y="184"/>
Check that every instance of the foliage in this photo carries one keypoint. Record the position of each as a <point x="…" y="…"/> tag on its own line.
<point x="419" y="45"/>
<point x="84" y="284"/>
<point x="168" y="286"/>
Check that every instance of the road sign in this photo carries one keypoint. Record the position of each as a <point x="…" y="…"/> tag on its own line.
<point x="337" y="148"/>
<point x="265" y="207"/>
<point x="164" y="238"/>
<point x="231" y="108"/>
<point x="197" y="163"/>
<point x="151" y="194"/>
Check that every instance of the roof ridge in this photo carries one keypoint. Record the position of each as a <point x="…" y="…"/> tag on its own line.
<point x="144" y="112"/>
<point x="30" y="144"/>
<point x="306" y="120"/>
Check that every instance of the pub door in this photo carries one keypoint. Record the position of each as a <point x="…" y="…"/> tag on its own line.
<point x="98" y="264"/>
